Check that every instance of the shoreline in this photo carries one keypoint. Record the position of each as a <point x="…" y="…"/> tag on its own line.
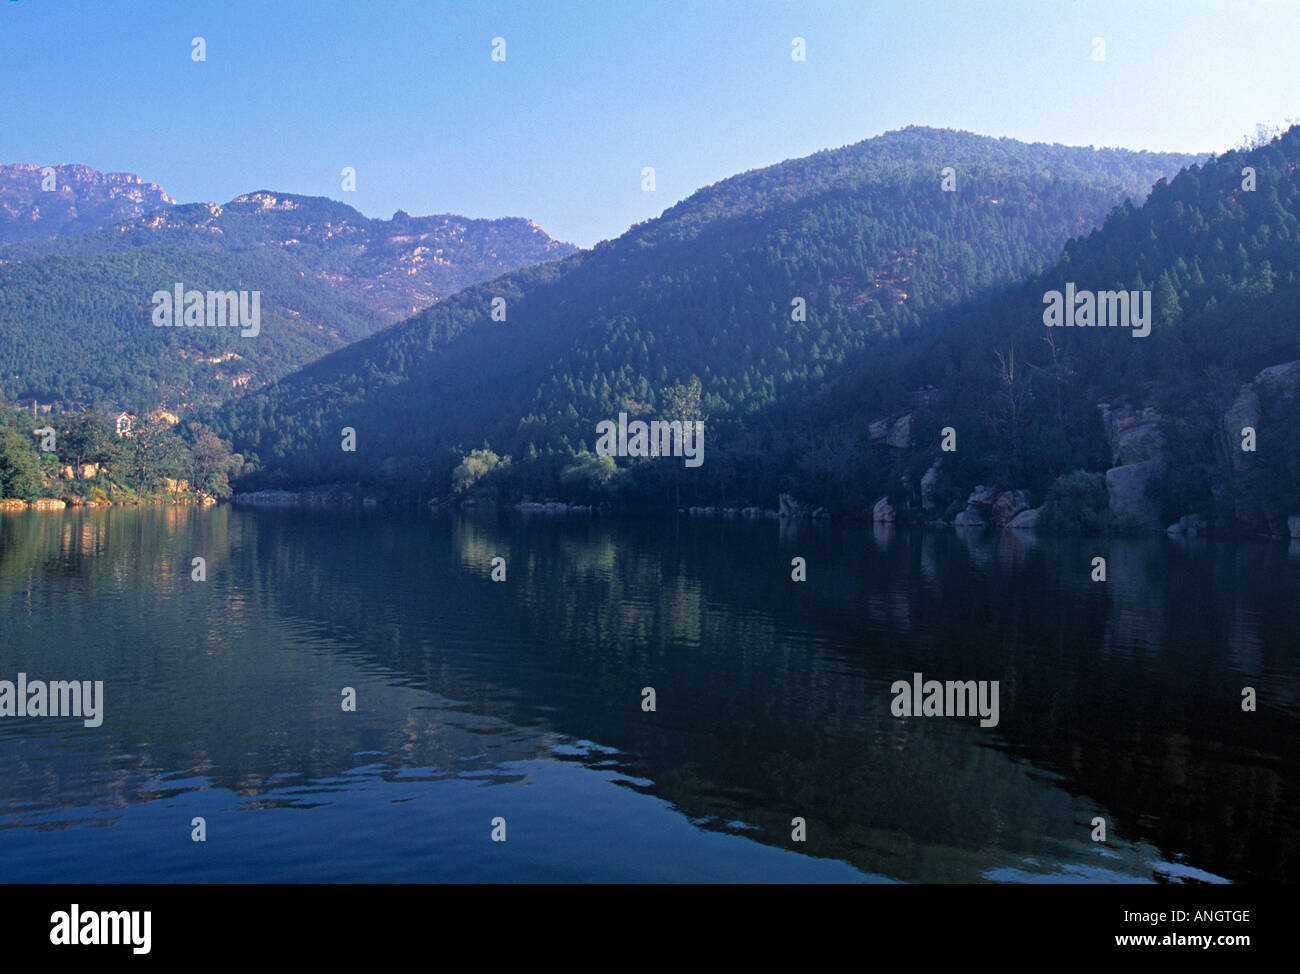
<point x="791" y="512"/>
<point x="60" y="503"/>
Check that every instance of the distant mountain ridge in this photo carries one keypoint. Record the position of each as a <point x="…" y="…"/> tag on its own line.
<point x="81" y="200"/>
<point x="397" y="266"/>
<point x="75" y="310"/>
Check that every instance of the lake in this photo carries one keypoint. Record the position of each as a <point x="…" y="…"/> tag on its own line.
<point x="516" y="707"/>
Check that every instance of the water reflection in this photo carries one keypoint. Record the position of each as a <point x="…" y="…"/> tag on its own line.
<point x="1119" y="699"/>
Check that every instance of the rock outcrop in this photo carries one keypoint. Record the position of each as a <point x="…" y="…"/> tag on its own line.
<point x="1008" y="505"/>
<point x="1244" y="412"/>
<point x="1126" y="487"/>
<point x="1026" y="520"/>
<point x="882" y="512"/>
<point x="896" y="432"/>
<point x="1134" y="435"/>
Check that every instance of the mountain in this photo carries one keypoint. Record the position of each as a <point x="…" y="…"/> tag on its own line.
<point x="46" y="202"/>
<point x="761" y="288"/>
<point x="396" y="266"/>
<point x="77" y="330"/>
<point x="1100" y="423"/>
<point x="75" y="312"/>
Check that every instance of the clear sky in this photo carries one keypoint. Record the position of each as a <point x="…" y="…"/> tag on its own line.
<point x="591" y="92"/>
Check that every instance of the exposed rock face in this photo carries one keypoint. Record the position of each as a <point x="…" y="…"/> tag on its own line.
<point x="1026" y="520"/>
<point x="1127" y="486"/>
<point x="896" y="433"/>
<point x="1280" y="379"/>
<point x="1008" y="504"/>
<point x="48" y="504"/>
<point x="900" y="434"/>
<point x="883" y="512"/>
<point x="398" y="266"/>
<point x="969" y="519"/>
<point x="81" y="200"/>
<point x="1137" y="449"/>
<point x="1273" y="385"/>
<point x="1134" y="436"/>
<point x="930" y="487"/>
<point x="1245" y="411"/>
<point x="1261" y="405"/>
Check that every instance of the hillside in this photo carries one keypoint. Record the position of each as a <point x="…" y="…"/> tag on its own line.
<point x="75" y="312"/>
<point x="1160" y="417"/>
<point x="396" y="266"/>
<point x="865" y="236"/>
<point x="77" y="330"/>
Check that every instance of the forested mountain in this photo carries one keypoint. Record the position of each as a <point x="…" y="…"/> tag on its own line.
<point x="77" y="330"/>
<point x="761" y="289"/>
<point x="397" y="266"/>
<point x="75" y="313"/>
<point x="1218" y="247"/>
<point x="45" y="202"/>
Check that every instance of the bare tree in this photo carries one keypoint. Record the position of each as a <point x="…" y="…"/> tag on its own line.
<point x="1011" y="402"/>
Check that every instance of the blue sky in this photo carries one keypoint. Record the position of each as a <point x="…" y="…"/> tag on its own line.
<point x="591" y="92"/>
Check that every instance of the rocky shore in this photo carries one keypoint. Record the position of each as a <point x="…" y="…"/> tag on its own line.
<point x="59" y="504"/>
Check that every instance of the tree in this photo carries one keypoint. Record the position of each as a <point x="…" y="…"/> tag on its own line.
<point x="20" y="468"/>
<point x="212" y="462"/>
<point x="1167" y="309"/>
<point x="152" y="451"/>
<point x="476" y="466"/>
<point x="595" y="477"/>
<point x="88" y="438"/>
<point x="684" y="402"/>
<point x="1010" y="404"/>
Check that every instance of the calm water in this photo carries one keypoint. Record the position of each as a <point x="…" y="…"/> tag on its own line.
<point x="522" y="699"/>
